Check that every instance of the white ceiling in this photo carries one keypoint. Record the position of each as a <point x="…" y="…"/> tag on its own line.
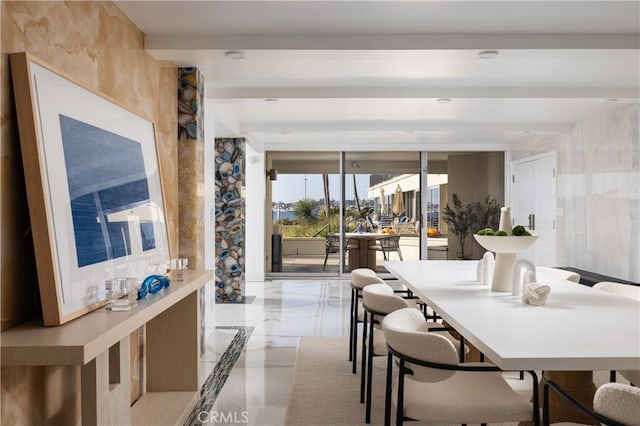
<point x="369" y="72"/>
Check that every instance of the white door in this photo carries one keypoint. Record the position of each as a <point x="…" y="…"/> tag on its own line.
<point x="533" y="196"/>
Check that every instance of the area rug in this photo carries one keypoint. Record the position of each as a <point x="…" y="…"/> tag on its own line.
<point x="325" y="392"/>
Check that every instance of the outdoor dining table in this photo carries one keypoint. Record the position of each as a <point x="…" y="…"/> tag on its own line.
<point x="577" y="331"/>
<point x="363" y="257"/>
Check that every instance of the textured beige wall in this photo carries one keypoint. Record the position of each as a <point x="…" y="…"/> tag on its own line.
<point x="96" y="44"/>
<point x="473" y="177"/>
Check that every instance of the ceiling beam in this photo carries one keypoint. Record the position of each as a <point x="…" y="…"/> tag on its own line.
<point x="376" y="41"/>
<point x="631" y="94"/>
<point x="399" y="126"/>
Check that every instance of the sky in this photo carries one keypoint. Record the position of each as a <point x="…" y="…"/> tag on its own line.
<point x="291" y="188"/>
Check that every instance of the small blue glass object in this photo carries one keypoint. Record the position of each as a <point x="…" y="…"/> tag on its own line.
<point x="152" y="284"/>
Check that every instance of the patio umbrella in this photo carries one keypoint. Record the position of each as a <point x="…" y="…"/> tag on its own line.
<point x="398" y="202"/>
<point x="383" y="206"/>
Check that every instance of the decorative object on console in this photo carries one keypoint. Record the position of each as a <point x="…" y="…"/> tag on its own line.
<point x="93" y="185"/>
<point x="153" y="284"/>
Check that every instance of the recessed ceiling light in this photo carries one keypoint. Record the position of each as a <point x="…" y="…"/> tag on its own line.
<point x="271" y="100"/>
<point x="610" y="100"/>
<point x="234" y="54"/>
<point x="284" y="132"/>
<point x="443" y="100"/>
<point x="488" y="54"/>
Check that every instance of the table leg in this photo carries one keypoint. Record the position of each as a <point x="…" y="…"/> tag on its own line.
<point x="578" y="384"/>
<point x="354" y="259"/>
<point x="371" y="255"/>
<point x="364" y="249"/>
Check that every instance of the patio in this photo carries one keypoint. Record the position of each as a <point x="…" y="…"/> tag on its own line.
<point x="303" y="261"/>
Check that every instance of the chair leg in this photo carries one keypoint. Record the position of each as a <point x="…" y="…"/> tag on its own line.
<point x="370" y="344"/>
<point x="612" y="376"/>
<point x="400" y="401"/>
<point x="351" y="321"/>
<point x="400" y="255"/>
<point x="545" y="405"/>
<point x="387" y="396"/>
<point x="461" y="354"/>
<point x="536" y="399"/>
<point x="522" y="375"/>
<point x="363" y="362"/>
<point x="355" y="330"/>
<point x="326" y="256"/>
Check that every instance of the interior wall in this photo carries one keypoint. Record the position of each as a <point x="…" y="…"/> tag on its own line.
<point x="473" y="177"/>
<point x="598" y="193"/>
<point x="97" y="45"/>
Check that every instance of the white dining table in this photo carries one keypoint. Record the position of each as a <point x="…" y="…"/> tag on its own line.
<point x="579" y="329"/>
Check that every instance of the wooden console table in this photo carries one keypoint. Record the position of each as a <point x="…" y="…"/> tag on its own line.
<point x="99" y="343"/>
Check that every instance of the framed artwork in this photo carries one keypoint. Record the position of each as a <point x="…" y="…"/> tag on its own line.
<point x="93" y="185"/>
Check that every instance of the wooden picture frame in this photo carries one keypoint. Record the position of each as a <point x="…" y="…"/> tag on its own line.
<point x="93" y="186"/>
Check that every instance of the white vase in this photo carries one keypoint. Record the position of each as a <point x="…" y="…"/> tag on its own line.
<point x="505" y="220"/>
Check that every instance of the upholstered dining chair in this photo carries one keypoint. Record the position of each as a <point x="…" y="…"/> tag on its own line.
<point x="614" y="404"/>
<point x="433" y="387"/>
<point x="360" y="278"/>
<point x="559" y="273"/>
<point x="631" y="292"/>
<point x="379" y="300"/>
<point x="388" y="245"/>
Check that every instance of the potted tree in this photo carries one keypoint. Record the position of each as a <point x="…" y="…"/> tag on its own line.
<point x="466" y="219"/>
<point x="459" y="220"/>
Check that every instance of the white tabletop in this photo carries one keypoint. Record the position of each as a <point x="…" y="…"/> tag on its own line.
<point x="578" y="329"/>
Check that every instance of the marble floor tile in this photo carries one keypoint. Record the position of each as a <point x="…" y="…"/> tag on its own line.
<point x="256" y="382"/>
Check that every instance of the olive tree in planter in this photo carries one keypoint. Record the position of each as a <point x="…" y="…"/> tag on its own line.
<point x="470" y="218"/>
<point x="459" y="220"/>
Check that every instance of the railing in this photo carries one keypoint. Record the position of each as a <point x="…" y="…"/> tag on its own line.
<point x="328" y="225"/>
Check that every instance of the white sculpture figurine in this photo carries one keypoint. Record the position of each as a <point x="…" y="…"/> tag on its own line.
<point x="485" y="268"/>
<point x="532" y="292"/>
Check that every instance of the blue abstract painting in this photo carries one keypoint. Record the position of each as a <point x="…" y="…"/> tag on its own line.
<point x="105" y="176"/>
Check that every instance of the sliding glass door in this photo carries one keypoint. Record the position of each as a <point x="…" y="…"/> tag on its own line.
<point x="332" y="212"/>
<point x="382" y="208"/>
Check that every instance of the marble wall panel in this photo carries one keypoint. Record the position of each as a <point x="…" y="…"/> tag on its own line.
<point x="191" y="201"/>
<point x="96" y="44"/>
<point x="191" y="168"/>
<point x="230" y="226"/>
<point x="598" y="192"/>
<point x="190" y="104"/>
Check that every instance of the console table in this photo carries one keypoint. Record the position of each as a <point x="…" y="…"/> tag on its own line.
<point x="99" y="343"/>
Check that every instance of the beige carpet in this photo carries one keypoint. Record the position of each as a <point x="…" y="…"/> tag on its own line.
<point x="325" y="392"/>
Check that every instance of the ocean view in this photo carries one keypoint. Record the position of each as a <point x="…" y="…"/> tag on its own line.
<point x="283" y="215"/>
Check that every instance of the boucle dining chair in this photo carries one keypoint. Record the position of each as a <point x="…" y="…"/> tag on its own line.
<point x="360" y="278"/>
<point x="559" y="273"/>
<point x="380" y="300"/>
<point x="630" y="292"/>
<point x="433" y="387"/>
<point x="614" y="404"/>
